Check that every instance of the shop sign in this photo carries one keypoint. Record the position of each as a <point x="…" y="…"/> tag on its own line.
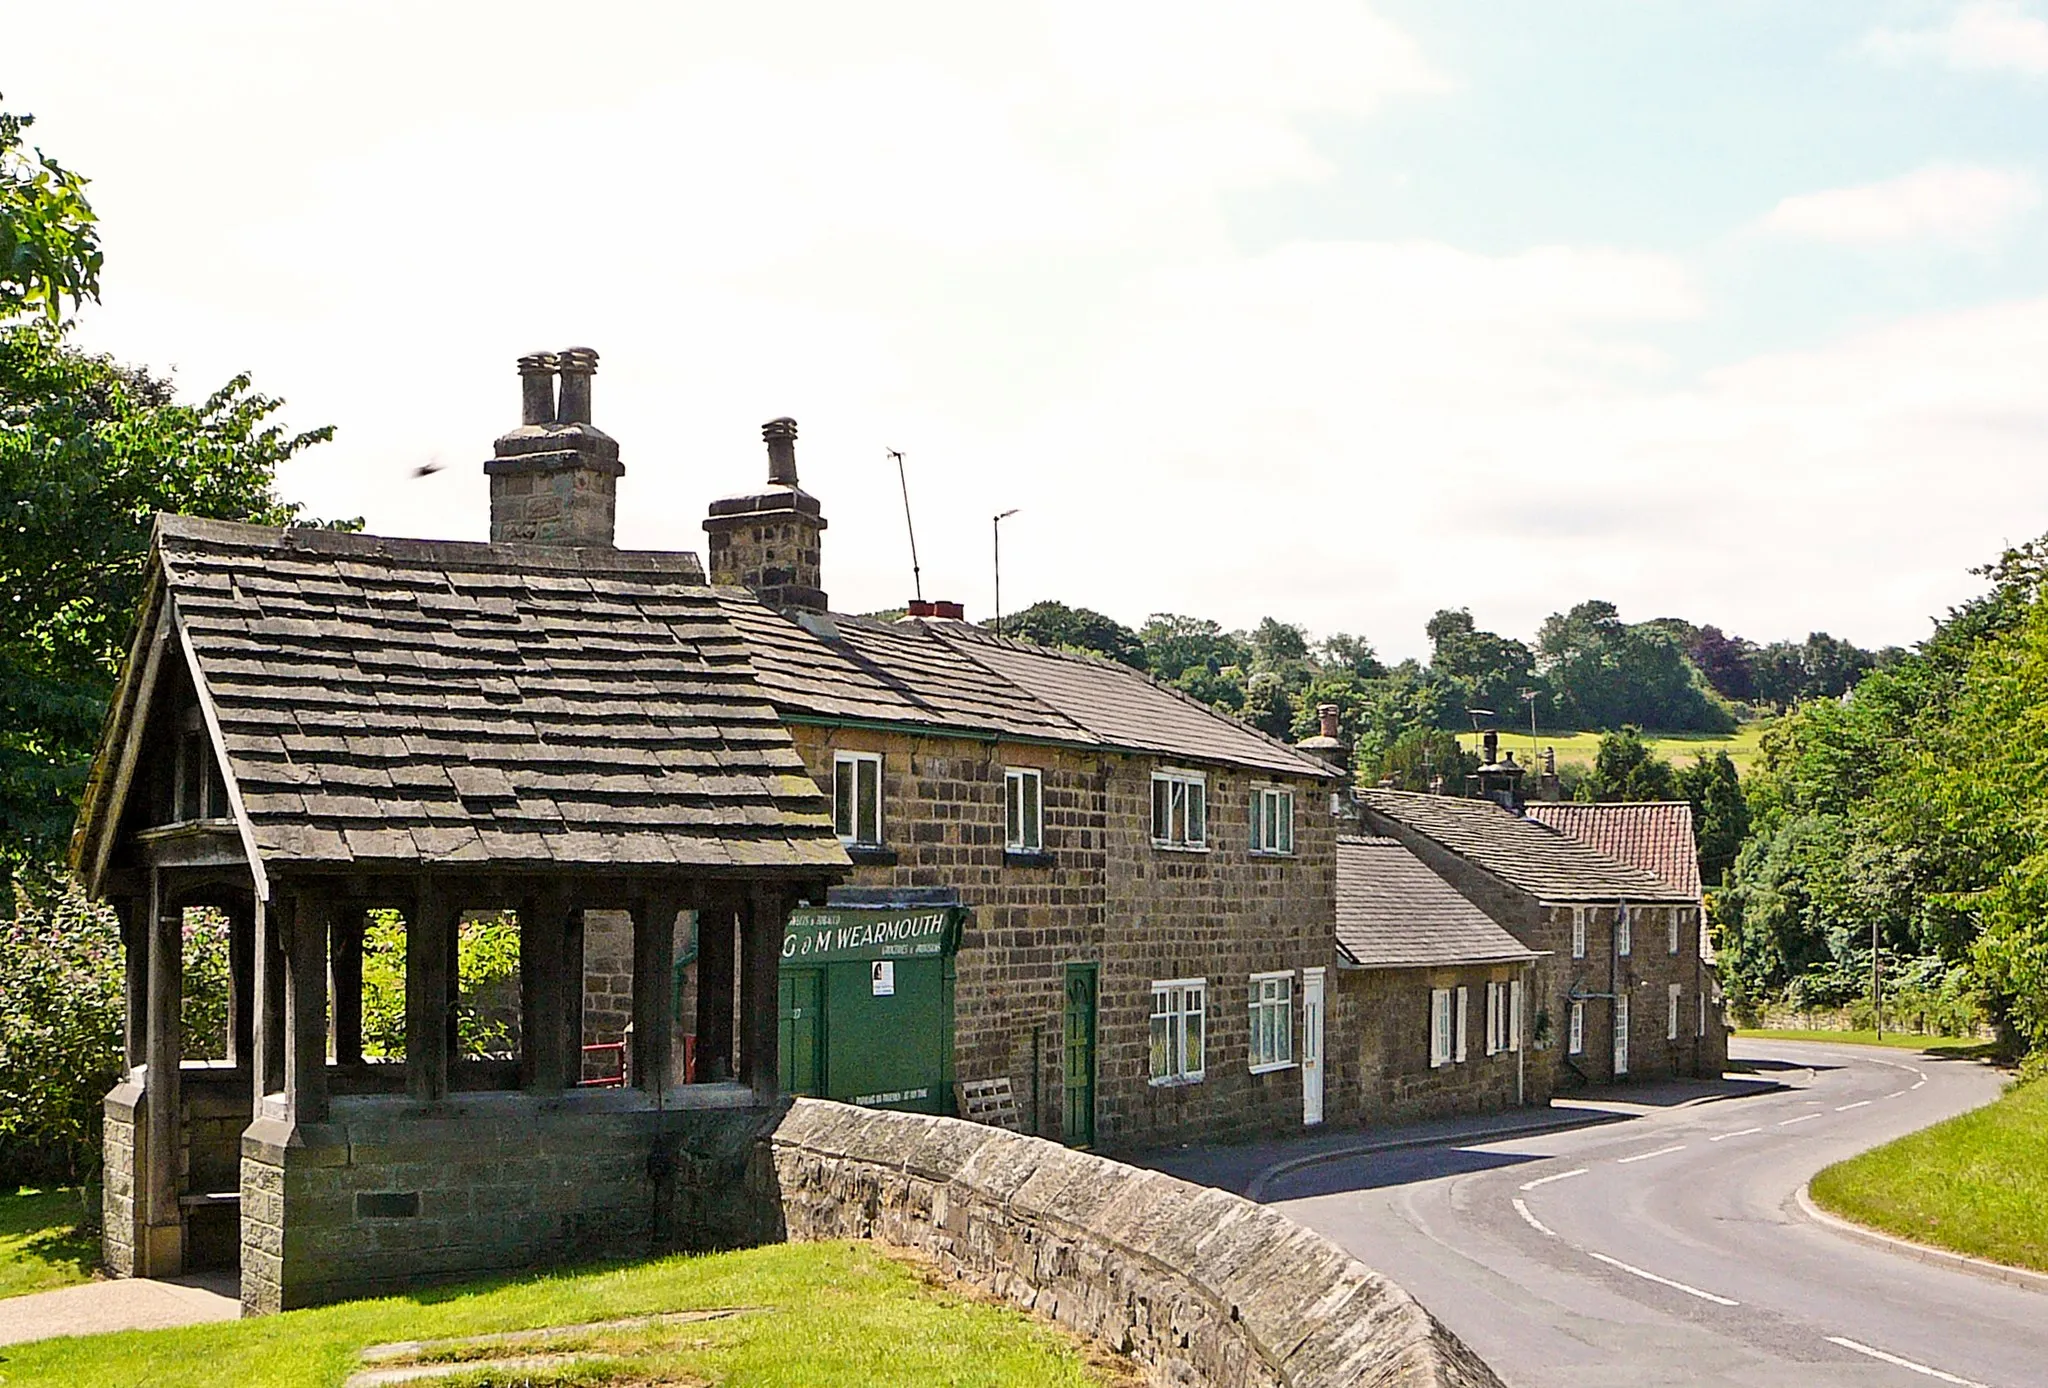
<point x="834" y="933"/>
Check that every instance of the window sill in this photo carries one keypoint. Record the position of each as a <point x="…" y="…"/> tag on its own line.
<point x="1274" y="1068"/>
<point x="1177" y="1081"/>
<point x="1282" y="855"/>
<point x="1028" y="858"/>
<point x="1164" y="847"/>
<point x="871" y="855"/>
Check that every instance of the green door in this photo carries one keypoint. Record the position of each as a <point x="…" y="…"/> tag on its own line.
<point x="801" y="1026"/>
<point x="1078" y="1052"/>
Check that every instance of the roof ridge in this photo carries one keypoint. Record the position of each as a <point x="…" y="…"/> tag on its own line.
<point x="318" y="542"/>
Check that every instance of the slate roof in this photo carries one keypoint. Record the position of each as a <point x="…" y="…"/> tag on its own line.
<point x="1394" y="913"/>
<point x="1544" y="862"/>
<point x="952" y="676"/>
<point x="1654" y="835"/>
<point x="410" y="701"/>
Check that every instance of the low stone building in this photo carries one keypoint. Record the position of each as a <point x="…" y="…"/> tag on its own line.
<point x="1618" y="987"/>
<point x="1144" y="887"/>
<point x="1430" y="1011"/>
<point x="311" y="726"/>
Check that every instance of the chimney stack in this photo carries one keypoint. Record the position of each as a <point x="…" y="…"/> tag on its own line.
<point x="1329" y="716"/>
<point x="554" y="479"/>
<point x="769" y="541"/>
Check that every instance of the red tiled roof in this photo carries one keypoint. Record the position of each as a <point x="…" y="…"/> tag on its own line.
<point x="1654" y="835"/>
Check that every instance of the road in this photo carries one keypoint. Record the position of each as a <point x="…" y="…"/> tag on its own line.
<point x="1668" y="1249"/>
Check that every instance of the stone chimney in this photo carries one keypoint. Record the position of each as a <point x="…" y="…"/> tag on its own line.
<point x="1328" y="745"/>
<point x="1499" y="778"/>
<point x="769" y="541"/>
<point x="555" y="478"/>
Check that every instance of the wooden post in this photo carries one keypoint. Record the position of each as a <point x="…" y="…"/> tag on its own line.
<point x="164" y="1254"/>
<point x="654" y="950"/>
<point x="543" y="988"/>
<point x="428" y="927"/>
<point x="572" y="995"/>
<point x="766" y="914"/>
<point x="346" y="971"/>
<point x="266" y="1071"/>
<point x="241" y="983"/>
<point x="715" y="971"/>
<point x="305" y="963"/>
<point x="135" y="932"/>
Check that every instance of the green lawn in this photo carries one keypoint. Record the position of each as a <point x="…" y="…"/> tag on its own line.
<point x="1743" y="746"/>
<point x="821" y="1314"/>
<point x="1948" y="1047"/>
<point x="39" y="1244"/>
<point x="1977" y="1184"/>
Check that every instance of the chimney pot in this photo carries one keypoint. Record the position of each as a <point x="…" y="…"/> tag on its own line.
<point x="951" y="610"/>
<point x="780" y="435"/>
<point x="1491" y="742"/>
<point x="577" y="365"/>
<point x="922" y="607"/>
<point x="1328" y="714"/>
<point x="537" y="388"/>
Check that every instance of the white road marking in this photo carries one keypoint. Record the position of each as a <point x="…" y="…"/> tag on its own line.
<point x="1534" y="1223"/>
<point x="1665" y="1281"/>
<point x="1723" y="1137"/>
<point x="1560" y="1176"/>
<point x="1896" y="1093"/>
<point x="1903" y="1363"/>
<point x="1800" y="1119"/>
<point x="1923" y="1080"/>
<point x="1860" y="1103"/>
<point x="1645" y="1156"/>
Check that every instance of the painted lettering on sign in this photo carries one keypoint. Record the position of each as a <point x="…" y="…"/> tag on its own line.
<point x="850" y="934"/>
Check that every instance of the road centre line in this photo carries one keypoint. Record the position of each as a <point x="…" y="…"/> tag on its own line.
<point x="1645" y="1156"/>
<point x="1895" y="1094"/>
<point x="1903" y="1363"/>
<point x="1923" y="1080"/>
<point x="1667" y="1282"/>
<point x="1800" y="1119"/>
<point x="1560" y="1176"/>
<point x="1534" y="1223"/>
<point x="1723" y="1137"/>
<point x="1860" y="1103"/>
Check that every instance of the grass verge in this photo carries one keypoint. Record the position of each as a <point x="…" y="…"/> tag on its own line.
<point x="1743" y="746"/>
<point x="1947" y="1047"/>
<point x="1977" y="1184"/>
<point x="40" y="1246"/>
<point x="820" y="1313"/>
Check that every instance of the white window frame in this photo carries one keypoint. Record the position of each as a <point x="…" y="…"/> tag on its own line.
<point x="1270" y="1004"/>
<point x="1174" y="1002"/>
<point x="1493" y="1019"/>
<point x="1703" y="1014"/>
<point x="1676" y="994"/>
<point x="1272" y="821"/>
<point x="848" y="829"/>
<point x="1186" y="805"/>
<point x="1575" y="1042"/>
<point x="1624" y="931"/>
<point x="1624" y="1036"/>
<point x="1439" y="1028"/>
<point x="1464" y="1013"/>
<point x="1578" y="932"/>
<point x="1675" y="914"/>
<point x="1023" y="809"/>
<point x="1515" y="1015"/>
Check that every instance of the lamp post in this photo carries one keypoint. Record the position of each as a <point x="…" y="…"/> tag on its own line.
<point x="996" y="526"/>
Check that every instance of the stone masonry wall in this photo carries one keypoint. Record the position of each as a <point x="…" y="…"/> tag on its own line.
<point x="1379" y="1047"/>
<point x="1200" y="1286"/>
<point x="387" y="1197"/>
<point x="122" y="1113"/>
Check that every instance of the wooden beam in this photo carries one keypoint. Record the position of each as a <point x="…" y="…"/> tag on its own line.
<point x="717" y="967"/>
<point x="241" y="983"/>
<point x="132" y="703"/>
<point x="654" y="931"/>
<point x="164" y="1256"/>
<point x="346" y="972"/>
<point x="760" y="970"/>
<point x="134" y="914"/>
<point x="305" y="962"/>
<point x="429" y="927"/>
<point x="543" y="990"/>
<point x="266" y="1067"/>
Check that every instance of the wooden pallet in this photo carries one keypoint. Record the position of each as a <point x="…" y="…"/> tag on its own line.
<point x="988" y="1101"/>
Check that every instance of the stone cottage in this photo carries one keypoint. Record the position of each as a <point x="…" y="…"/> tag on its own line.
<point x="1617" y="989"/>
<point x="1141" y="889"/>
<point x="1430" y="1014"/>
<point x="311" y="726"/>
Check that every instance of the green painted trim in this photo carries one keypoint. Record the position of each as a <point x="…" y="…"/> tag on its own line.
<point x="884" y="725"/>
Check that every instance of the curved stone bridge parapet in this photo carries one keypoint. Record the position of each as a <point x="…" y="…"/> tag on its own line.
<point x="1201" y="1287"/>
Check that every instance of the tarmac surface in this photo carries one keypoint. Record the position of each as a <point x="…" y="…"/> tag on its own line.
<point x="128" y="1303"/>
<point x="1660" y="1240"/>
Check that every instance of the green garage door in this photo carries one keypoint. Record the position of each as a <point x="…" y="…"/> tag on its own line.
<point x="801" y="1022"/>
<point x="882" y="1004"/>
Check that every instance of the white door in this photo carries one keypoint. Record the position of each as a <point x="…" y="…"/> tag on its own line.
<point x="1621" y="1034"/>
<point x="1311" y="1046"/>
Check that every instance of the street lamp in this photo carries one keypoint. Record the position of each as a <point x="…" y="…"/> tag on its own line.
<point x="997" y="527"/>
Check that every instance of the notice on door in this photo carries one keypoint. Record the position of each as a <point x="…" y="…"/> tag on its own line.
<point x="882" y="973"/>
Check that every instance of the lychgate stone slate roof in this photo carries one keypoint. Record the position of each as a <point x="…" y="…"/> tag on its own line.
<point x="1542" y="861"/>
<point x="956" y="677"/>
<point x="1394" y="913"/>
<point x="423" y="702"/>
<point x="1654" y="835"/>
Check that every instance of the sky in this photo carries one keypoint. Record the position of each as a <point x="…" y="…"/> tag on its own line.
<point x="1731" y="310"/>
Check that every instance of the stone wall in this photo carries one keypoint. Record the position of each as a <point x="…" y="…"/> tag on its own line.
<point x="119" y="1215"/>
<point x="389" y="1196"/>
<point x="1379" y="1047"/>
<point x="1198" y="1285"/>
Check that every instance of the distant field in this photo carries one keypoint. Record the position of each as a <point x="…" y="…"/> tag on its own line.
<point x="1578" y="749"/>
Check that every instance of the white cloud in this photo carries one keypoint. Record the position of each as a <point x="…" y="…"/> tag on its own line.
<point x="1968" y="207"/>
<point x="1983" y="36"/>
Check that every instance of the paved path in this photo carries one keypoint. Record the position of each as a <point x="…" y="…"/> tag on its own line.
<point x="1669" y="1249"/>
<point x="129" y="1303"/>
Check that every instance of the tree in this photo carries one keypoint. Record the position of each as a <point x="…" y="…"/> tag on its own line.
<point x="1420" y="759"/>
<point x="1626" y="769"/>
<point x="1720" y="813"/>
<point x="61" y="1007"/>
<point x="1353" y="655"/>
<point x="1076" y="628"/>
<point x="49" y="243"/>
<point x="1490" y="670"/>
<point x="1606" y="673"/>
<point x="1724" y="661"/>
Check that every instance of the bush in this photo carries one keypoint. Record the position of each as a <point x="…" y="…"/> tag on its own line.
<point x="61" y="1012"/>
